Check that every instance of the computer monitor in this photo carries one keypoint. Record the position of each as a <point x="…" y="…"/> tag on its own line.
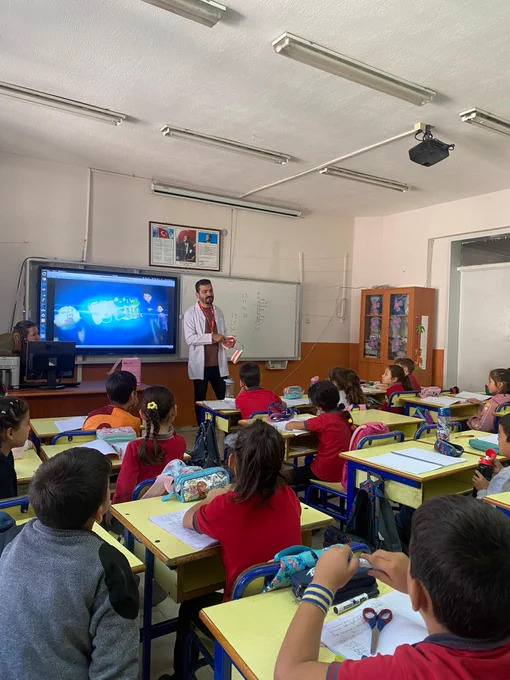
<point x="50" y="361"/>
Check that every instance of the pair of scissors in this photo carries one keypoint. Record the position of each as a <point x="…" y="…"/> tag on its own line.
<point x="376" y="622"/>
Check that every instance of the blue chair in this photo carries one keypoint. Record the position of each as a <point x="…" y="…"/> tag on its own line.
<point x="330" y="491"/>
<point x="502" y="410"/>
<point x="72" y="434"/>
<point x="22" y="501"/>
<point x="427" y="428"/>
<point x="395" y="399"/>
<point x="137" y="491"/>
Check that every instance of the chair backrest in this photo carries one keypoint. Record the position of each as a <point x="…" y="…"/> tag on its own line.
<point x="501" y="410"/>
<point x="380" y="439"/>
<point x="395" y="399"/>
<point x="455" y="426"/>
<point x="90" y="434"/>
<point x="366" y="430"/>
<point x="22" y="501"/>
<point x="252" y="580"/>
<point x="141" y="488"/>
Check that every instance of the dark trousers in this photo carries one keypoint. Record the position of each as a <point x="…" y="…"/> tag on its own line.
<point x="211" y="375"/>
<point x="303" y="475"/>
<point x="188" y="614"/>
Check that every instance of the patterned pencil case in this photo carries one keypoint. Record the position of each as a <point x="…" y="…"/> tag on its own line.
<point x="116" y="434"/>
<point x="195" y="486"/>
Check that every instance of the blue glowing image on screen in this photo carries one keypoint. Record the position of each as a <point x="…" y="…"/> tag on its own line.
<point x="108" y="311"/>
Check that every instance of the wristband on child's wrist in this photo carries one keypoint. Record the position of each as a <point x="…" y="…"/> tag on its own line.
<point x="320" y="596"/>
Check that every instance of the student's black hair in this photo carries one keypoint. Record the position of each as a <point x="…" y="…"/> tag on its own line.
<point x="505" y="426"/>
<point x="202" y="282"/>
<point x="324" y="395"/>
<point x="120" y="385"/>
<point x="22" y="327"/>
<point x="406" y="362"/>
<point x="501" y="375"/>
<point x="12" y="412"/>
<point x="347" y="380"/>
<point x="249" y="373"/>
<point x="259" y="452"/>
<point x="460" y="552"/>
<point x="67" y="489"/>
<point x="398" y="373"/>
<point x="156" y="403"/>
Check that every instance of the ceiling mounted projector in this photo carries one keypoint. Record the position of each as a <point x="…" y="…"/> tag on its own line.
<point x="430" y="150"/>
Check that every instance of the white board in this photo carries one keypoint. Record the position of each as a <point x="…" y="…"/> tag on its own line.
<point x="264" y="316"/>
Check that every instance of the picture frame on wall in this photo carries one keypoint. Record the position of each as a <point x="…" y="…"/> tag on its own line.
<point x="183" y="247"/>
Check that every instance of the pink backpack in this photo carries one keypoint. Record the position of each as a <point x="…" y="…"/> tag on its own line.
<point x="361" y="431"/>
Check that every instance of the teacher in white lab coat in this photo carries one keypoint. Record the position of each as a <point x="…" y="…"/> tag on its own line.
<point x="204" y="330"/>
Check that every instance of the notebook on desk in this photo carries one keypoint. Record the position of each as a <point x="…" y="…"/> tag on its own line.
<point x="415" y="461"/>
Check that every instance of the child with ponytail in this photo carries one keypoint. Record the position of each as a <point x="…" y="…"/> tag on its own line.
<point x="349" y="387"/>
<point x="14" y="431"/>
<point x="146" y="458"/>
<point x="394" y="380"/>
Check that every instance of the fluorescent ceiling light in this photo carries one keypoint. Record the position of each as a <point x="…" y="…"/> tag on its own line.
<point x="52" y="101"/>
<point x="339" y="65"/>
<point x="485" y="120"/>
<point x="206" y="12"/>
<point x="204" y="197"/>
<point x="343" y="173"/>
<point x="225" y="144"/>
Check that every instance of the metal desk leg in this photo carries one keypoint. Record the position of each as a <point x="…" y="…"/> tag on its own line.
<point x="222" y="663"/>
<point x="351" y="486"/>
<point x="147" y="615"/>
<point x="129" y="541"/>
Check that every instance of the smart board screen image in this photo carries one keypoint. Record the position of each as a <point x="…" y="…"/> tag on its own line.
<point x="105" y="312"/>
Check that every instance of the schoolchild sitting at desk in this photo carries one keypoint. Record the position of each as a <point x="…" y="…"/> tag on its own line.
<point x="457" y="579"/>
<point x="394" y="380"/>
<point x="501" y="480"/>
<point x="349" y="387"/>
<point x="147" y="458"/>
<point x="69" y="600"/>
<point x="408" y="366"/>
<point x="253" y="397"/>
<point x="121" y="391"/>
<point x="14" y="431"/>
<point x="334" y="429"/>
<point x="253" y="520"/>
<point x="498" y="384"/>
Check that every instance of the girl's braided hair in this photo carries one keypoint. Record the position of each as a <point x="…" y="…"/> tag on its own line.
<point x="157" y="402"/>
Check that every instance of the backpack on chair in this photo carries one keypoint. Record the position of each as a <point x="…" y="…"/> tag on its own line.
<point x="205" y="452"/>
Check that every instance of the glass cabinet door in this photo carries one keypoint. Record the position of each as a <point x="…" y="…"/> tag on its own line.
<point x="373" y="326"/>
<point x="399" y="326"/>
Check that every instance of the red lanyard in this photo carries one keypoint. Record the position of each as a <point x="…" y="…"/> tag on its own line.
<point x="213" y="320"/>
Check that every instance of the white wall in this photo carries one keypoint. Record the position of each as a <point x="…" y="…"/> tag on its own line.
<point x="45" y="204"/>
<point x="413" y="248"/>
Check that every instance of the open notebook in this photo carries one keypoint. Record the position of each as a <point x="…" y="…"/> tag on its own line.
<point x="415" y="460"/>
<point x="115" y="450"/>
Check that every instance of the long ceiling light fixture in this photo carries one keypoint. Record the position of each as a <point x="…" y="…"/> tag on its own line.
<point x="315" y="55"/>
<point x="225" y="144"/>
<point x="354" y="176"/>
<point x="485" y="120"/>
<point x="163" y="189"/>
<point x="52" y="101"/>
<point x="205" y="12"/>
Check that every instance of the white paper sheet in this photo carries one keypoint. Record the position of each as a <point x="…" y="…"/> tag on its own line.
<point x="442" y="401"/>
<point x="296" y="402"/>
<point x="473" y="395"/>
<point x="282" y="425"/>
<point x="172" y="522"/>
<point x="430" y="456"/>
<point x="70" y="424"/>
<point x="415" y="461"/>
<point x="350" y="636"/>
<point x="490" y="438"/>
<point x="221" y="405"/>
<point x="101" y="446"/>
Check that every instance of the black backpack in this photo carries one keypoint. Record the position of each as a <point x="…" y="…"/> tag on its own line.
<point x="205" y="452"/>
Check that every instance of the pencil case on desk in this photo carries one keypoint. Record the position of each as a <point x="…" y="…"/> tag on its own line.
<point x="359" y="584"/>
<point x="194" y="486"/>
<point x="481" y="445"/>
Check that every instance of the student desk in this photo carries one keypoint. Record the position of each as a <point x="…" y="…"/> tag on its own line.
<point x="227" y="419"/>
<point x="405" y="487"/>
<point x="48" y="451"/>
<point x="501" y="501"/>
<point x="25" y="467"/>
<point x="394" y="421"/>
<point x="461" y="438"/>
<point x="460" y="412"/>
<point x="44" y="429"/>
<point x="83" y="398"/>
<point x="253" y="645"/>
<point x="195" y="572"/>
<point x="295" y="445"/>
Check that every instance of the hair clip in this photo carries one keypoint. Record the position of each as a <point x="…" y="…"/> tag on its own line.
<point x="152" y="406"/>
<point x="3" y="412"/>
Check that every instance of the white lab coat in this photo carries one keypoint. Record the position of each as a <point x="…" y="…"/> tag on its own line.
<point x="196" y="338"/>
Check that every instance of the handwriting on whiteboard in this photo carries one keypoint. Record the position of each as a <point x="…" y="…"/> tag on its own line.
<point x="261" y="312"/>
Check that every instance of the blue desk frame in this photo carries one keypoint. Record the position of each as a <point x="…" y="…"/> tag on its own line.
<point x="354" y="466"/>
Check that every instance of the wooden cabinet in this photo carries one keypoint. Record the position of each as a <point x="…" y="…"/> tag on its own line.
<point x="396" y="322"/>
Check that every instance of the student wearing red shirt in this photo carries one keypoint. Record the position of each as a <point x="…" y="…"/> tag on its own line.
<point x="253" y="397"/>
<point x="408" y="366"/>
<point x="395" y="380"/>
<point x="253" y="520"/>
<point x="457" y="579"/>
<point x="334" y="429"/>
<point x="146" y="458"/>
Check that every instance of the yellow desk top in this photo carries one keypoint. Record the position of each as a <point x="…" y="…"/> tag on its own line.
<point x="48" y="451"/>
<point x="461" y="438"/>
<point x="45" y="428"/>
<point x="265" y="621"/>
<point x="373" y="452"/>
<point x="376" y="416"/>
<point x="424" y="402"/>
<point x="230" y="412"/>
<point x="135" y="516"/>
<point x="500" y="500"/>
<point x="25" y="467"/>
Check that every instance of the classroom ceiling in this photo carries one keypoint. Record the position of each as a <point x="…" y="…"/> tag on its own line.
<point x="158" y="68"/>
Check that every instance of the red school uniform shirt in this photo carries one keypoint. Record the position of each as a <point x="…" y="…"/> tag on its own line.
<point x="250" y="533"/>
<point x="438" y="657"/>
<point x="396" y="387"/>
<point x="133" y="471"/>
<point x="255" y="399"/>
<point x="334" y="437"/>
<point x="415" y="384"/>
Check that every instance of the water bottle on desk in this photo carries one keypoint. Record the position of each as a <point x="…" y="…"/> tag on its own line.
<point x="486" y="466"/>
<point x="443" y="423"/>
<point x="229" y="388"/>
